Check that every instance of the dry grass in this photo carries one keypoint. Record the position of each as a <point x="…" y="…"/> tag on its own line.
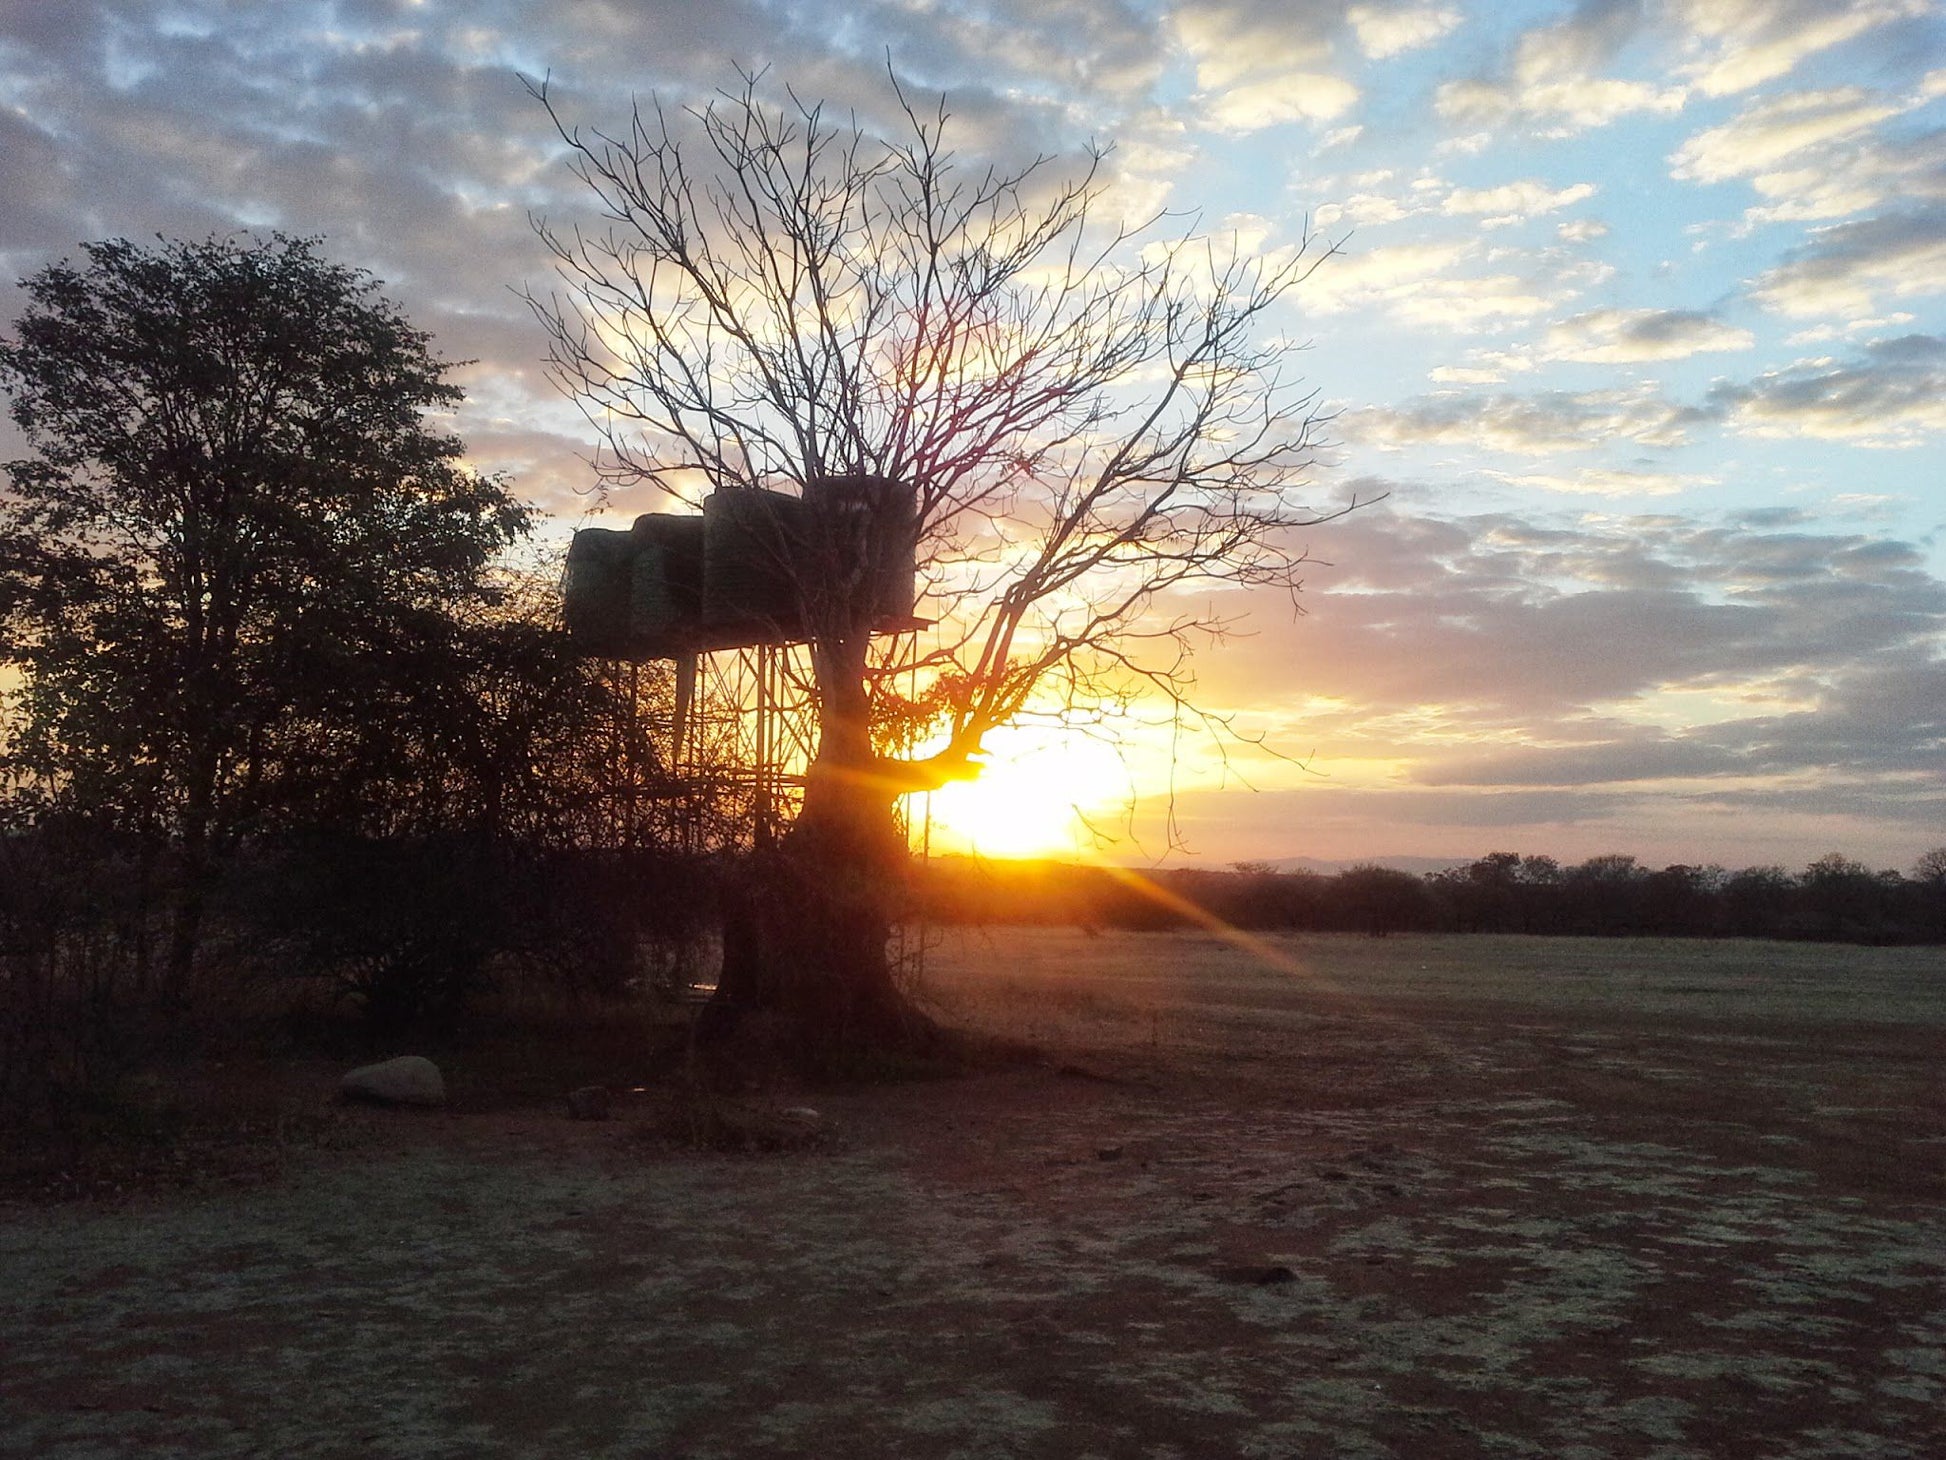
<point x="1066" y="986"/>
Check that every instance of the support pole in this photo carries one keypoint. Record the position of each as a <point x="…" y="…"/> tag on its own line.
<point x="685" y="698"/>
<point x="764" y="817"/>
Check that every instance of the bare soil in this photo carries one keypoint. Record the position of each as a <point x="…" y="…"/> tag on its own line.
<point x="1412" y="1197"/>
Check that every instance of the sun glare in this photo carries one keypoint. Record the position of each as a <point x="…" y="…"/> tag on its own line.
<point x="1032" y="797"/>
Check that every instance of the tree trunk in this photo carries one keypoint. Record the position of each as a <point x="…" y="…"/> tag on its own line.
<point x="806" y="924"/>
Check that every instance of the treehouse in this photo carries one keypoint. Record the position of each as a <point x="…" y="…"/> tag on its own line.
<point x="754" y="568"/>
<point x="754" y="572"/>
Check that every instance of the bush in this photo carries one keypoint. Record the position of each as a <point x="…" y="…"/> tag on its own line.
<point x="413" y="931"/>
<point x="81" y="1004"/>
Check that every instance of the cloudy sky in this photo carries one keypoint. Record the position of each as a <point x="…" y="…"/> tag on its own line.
<point x="1637" y="323"/>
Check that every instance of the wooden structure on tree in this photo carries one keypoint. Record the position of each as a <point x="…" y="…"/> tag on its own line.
<point x="741" y="573"/>
<point x="754" y="572"/>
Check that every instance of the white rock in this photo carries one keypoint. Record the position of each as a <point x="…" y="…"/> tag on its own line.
<point x="410" y="1079"/>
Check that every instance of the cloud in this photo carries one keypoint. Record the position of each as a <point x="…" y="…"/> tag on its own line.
<point x="1606" y="482"/>
<point x="1543" y="423"/>
<point x="1500" y="611"/>
<point x="1893" y="395"/>
<point x="1747" y="666"/>
<point x="1870" y="327"/>
<point x="1378" y="274"/>
<point x="1466" y="375"/>
<point x="1422" y="283"/>
<point x="1269" y="101"/>
<point x="1474" y="302"/>
<point x="403" y="136"/>
<point x="37" y="186"/>
<point x="1845" y="269"/>
<point x="1775" y="128"/>
<point x="1150" y="156"/>
<point x="1737" y="44"/>
<point x="1819" y="154"/>
<point x="1385" y="31"/>
<point x="1362" y="210"/>
<point x="1514" y="201"/>
<point x="1631" y="336"/>
<point x="1098" y="51"/>
<point x="1260" y="63"/>
<point x="1554" y="81"/>
<point x="1581" y="230"/>
<point x="1550" y="83"/>
<point x="1873" y="731"/>
<point x="1556" y="106"/>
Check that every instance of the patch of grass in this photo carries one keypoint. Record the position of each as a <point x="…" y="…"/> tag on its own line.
<point x="1061" y="984"/>
<point x="193" y="1125"/>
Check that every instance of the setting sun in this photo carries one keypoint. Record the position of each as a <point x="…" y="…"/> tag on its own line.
<point x="1035" y="798"/>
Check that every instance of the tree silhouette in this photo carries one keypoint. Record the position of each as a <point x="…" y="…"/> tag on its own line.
<point x="238" y="542"/>
<point x="1929" y="882"/>
<point x="778" y="299"/>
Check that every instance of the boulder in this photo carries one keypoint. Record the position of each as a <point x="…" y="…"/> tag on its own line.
<point x="590" y="1102"/>
<point x="410" y="1079"/>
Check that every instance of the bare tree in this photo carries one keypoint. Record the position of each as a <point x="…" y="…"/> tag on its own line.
<point x="776" y="297"/>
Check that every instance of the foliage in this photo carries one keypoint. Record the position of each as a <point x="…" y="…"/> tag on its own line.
<point x="79" y="1000"/>
<point x="411" y="930"/>
<point x="1384" y="900"/>
<point x="237" y="543"/>
<point x="284" y="705"/>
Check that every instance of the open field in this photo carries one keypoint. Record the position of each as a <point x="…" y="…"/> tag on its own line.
<point x="1412" y="1197"/>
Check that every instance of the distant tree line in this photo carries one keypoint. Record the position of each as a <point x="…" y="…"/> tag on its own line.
<point x="1833" y="899"/>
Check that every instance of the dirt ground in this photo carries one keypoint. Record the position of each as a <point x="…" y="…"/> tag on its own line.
<point x="1412" y="1197"/>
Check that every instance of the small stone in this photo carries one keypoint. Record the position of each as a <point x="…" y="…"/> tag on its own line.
<point x="1109" y="1153"/>
<point x="410" y="1079"/>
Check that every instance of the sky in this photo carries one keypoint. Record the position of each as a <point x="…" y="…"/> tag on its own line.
<point x="1635" y="328"/>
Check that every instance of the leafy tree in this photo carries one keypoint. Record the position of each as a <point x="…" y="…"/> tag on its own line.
<point x="1841" y="896"/>
<point x="1604" y="894"/>
<point x="1929" y="889"/>
<point x="237" y="536"/>
<point x="1931" y="868"/>
<point x="1381" y="900"/>
<point x="1496" y="893"/>
<point x="1757" y="901"/>
<point x="781" y="298"/>
<point x="1681" y="900"/>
